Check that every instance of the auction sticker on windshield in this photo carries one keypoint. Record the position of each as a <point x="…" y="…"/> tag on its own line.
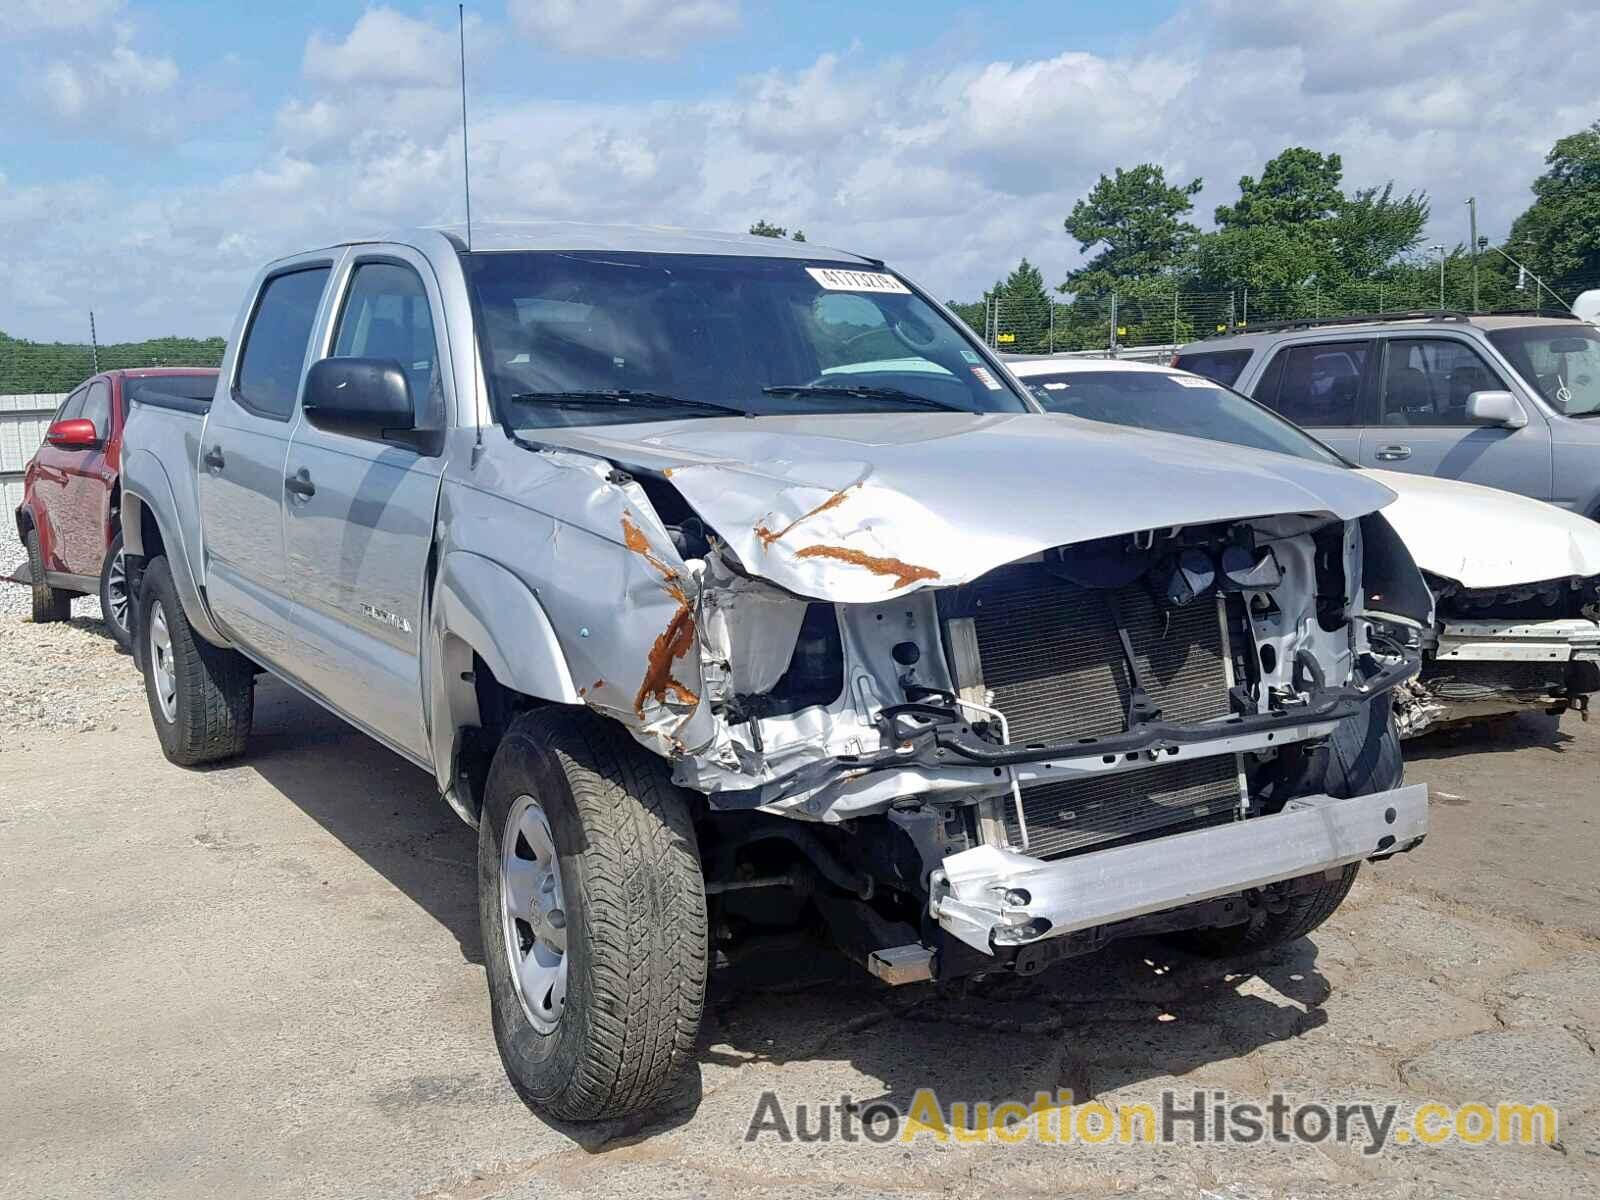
<point x="836" y="279"/>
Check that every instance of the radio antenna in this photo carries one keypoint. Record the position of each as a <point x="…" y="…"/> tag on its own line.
<point x="466" y="187"/>
<point x="466" y="169"/>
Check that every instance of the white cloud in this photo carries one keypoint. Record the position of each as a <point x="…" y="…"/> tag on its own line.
<point x="27" y="18"/>
<point x="384" y="48"/>
<point x="110" y="89"/>
<point x="951" y="172"/>
<point x="623" y="28"/>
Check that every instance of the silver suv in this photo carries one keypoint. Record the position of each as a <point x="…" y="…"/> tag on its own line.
<point x="1506" y="401"/>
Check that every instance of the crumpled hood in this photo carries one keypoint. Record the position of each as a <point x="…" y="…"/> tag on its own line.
<point x="861" y="507"/>
<point x="1482" y="537"/>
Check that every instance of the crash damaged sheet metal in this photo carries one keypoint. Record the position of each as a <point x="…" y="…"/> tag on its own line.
<point x="1484" y="538"/>
<point x="622" y="602"/>
<point x="884" y="504"/>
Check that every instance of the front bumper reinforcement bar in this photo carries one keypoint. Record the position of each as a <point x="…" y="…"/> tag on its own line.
<point x="992" y="897"/>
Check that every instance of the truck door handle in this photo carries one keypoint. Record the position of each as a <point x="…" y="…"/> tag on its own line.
<point x="214" y="459"/>
<point x="300" y="485"/>
<point x="1393" y="453"/>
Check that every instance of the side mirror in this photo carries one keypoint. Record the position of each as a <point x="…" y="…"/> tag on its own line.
<point x="360" y="397"/>
<point x="78" y="433"/>
<point x="1496" y="408"/>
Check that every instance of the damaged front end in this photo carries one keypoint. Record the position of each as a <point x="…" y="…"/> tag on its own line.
<point x="936" y="753"/>
<point x="1495" y="651"/>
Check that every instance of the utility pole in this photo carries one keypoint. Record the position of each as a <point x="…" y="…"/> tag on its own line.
<point x="94" y="345"/>
<point x="1472" y="211"/>
<point x="1113" y="324"/>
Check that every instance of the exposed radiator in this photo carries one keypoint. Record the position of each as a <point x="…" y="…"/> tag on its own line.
<point x="1067" y="817"/>
<point x="1049" y="654"/>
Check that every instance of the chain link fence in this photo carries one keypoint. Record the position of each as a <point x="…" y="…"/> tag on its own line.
<point x="1151" y="317"/>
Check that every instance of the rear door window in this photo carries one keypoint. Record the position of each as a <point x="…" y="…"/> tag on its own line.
<point x="1222" y="365"/>
<point x="1426" y="381"/>
<point x="274" y="354"/>
<point x="1320" y="385"/>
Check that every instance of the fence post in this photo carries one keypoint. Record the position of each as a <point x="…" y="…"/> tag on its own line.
<point x="1050" y="345"/>
<point x="1113" y="345"/>
<point x="1174" y="314"/>
<point x="1246" y="321"/>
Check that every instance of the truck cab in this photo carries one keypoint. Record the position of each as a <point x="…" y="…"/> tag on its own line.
<point x="729" y="585"/>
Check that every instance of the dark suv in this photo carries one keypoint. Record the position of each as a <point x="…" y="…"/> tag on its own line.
<point x="1506" y="401"/>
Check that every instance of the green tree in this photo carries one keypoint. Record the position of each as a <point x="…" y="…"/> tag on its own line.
<point x="1299" y="245"/>
<point x="1022" y="320"/>
<point x="60" y="366"/>
<point x="764" y="228"/>
<point x="1559" y="234"/>
<point x="1298" y="187"/>
<point x="1372" y="227"/>
<point x="1137" y="220"/>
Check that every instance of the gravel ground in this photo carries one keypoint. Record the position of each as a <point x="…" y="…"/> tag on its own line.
<point x="265" y="979"/>
<point x="61" y="677"/>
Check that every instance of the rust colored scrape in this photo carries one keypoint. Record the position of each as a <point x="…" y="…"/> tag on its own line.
<point x="672" y="645"/>
<point x="633" y="538"/>
<point x="903" y="573"/>
<point x="768" y="537"/>
<point x="675" y="640"/>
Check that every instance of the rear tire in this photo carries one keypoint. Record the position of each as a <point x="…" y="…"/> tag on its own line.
<point x="1362" y="756"/>
<point x="202" y="697"/>
<point x="49" y="604"/>
<point x="596" y="987"/>
<point x="116" y="607"/>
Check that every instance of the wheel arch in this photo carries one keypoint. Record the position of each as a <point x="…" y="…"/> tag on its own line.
<point x="145" y="535"/>
<point x="490" y="635"/>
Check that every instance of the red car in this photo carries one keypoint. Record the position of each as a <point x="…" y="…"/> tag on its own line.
<point x="68" y="519"/>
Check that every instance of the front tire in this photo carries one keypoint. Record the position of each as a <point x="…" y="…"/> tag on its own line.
<point x="1362" y="756"/>
<point x="116" y="607"/>
<point x="49" y="604"/>
<point x="202" y="697"/>
<point x="592" y="907"/>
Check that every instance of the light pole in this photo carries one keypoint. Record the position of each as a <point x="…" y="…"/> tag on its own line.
<point x="1472" y="210"/>
<point x="1539" y="284"/>
<point x="1440" y="250"/>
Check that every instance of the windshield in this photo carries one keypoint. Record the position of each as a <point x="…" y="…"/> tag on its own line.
<point x="585" y="338"/>
<point x="1560" y="362"/>
<point x="1175" y="403"/>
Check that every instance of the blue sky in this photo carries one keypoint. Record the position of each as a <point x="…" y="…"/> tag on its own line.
<point x="156" y="151"/>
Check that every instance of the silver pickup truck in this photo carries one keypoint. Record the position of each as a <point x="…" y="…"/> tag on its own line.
<point x="728" y="587"/>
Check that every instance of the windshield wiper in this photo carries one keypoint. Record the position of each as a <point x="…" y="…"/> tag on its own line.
<point x="625" y="396"/>
<point x="861" y="392"/>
